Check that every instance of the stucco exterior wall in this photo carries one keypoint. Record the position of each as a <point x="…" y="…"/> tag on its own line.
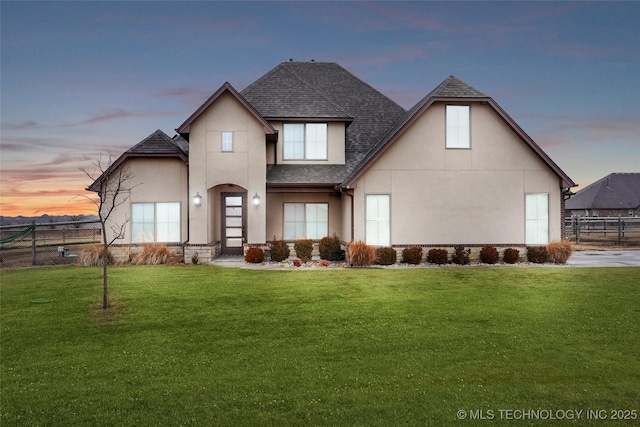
<point x="458" y="196"/>
<point x="209" y="166"/>
<point x="150" y="186"/>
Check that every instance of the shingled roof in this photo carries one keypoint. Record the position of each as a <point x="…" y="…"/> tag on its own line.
<point x="614" y="191"/>
<point x="158" y="144"/>
<point x="299" y="90"/>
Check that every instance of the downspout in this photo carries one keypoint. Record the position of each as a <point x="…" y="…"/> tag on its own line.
<point x="352" y="214"/>
<point x="185" y="242"/>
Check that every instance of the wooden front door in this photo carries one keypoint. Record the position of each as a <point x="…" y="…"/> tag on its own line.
<point x="233" y="222"/>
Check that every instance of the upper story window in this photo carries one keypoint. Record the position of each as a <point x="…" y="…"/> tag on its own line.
<point x="227" y="141"/>
<point x="458" y="130"/>
<point x="305" y="141"/>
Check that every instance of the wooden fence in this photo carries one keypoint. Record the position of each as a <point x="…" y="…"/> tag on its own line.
<point x="39" y="244"/>
<point x="605" y="230"/>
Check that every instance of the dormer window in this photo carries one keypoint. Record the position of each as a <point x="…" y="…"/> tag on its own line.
<point x="305" y="141"/>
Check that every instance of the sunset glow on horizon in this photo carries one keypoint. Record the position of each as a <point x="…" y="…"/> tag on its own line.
<point x="80" y="79"/>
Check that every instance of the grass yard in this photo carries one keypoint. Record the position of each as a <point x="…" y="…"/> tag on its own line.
<point x="205" y="345"/>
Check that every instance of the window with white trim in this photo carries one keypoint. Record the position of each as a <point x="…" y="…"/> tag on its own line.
<point x="305" y="141"/>
<point x="155" y="222"/>
<point x="378" y="220"/>
<point x="227" y="141"/>
<point x="306" y="220"/>
<point x="458" y="130"/>
<point x="537" y="219"/>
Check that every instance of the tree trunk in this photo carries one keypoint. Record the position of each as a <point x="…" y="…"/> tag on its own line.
<point x="105" y="267"/>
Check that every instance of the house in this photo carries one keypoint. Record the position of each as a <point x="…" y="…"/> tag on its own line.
<point x="617" y="194"/>
<point x="310" y="150"/>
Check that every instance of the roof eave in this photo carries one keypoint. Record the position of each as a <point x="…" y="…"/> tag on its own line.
<point x="115" y="165"/>
<point x="185" y="128"/>
<point x="565" y="180"/>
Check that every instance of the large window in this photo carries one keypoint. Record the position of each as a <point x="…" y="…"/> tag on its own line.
<point x="305" y="141"/>
<point x="378" y="214"/>
<point x="306" y="220"/>
<point x="458" y="131"/>
<point x="155" y="222"/>
<point x="537" y="219"/>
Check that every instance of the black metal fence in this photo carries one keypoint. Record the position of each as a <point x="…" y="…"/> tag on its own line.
<point x="604" y="230"/>
<point x="46" y="244"/>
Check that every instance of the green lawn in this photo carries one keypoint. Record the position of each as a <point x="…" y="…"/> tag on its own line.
<point x="204" y="345"/>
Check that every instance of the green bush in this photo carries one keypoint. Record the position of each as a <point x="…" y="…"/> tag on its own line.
<point x="329" y="248"/>
<point x="489" y="255"/>
<point x="386" y="256"/>
<point x="303" y="248"/>
<point x="279" y="250"/>
<point x="460" y="255"/>
<point x="254" y="255"/>
<point x="437" y="256"/>
<point x="537" y="254"/>
<point x="412" y="255"/>
<point x="511" y="256"/>
<point x="361" y="254"/>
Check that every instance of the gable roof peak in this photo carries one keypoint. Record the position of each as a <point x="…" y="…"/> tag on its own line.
<point x="185" y="128"/>
<point x="453" y="87"/>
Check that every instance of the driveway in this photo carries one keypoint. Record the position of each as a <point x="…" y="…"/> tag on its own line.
<point x="605" y="259"/>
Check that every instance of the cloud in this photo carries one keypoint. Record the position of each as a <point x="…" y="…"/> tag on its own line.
<point x="583" y="51"/>
<point x="27" y="124"/>
<point x="119" y="114"/>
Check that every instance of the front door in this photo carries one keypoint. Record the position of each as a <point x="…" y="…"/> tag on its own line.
<point x="233" y="223"/>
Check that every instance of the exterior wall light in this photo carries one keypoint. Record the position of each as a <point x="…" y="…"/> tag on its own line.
<point x="197" y="199"/>
<point x="256" y="200"/>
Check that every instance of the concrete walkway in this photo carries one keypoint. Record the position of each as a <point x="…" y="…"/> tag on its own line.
<point x="605" y="259"/>
<point x="578" y="259"/>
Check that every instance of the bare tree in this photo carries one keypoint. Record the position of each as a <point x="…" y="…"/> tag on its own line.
<point x="112" y="185"/>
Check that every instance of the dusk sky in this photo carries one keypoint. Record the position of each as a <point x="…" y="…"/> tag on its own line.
<point x="83" y="78"/>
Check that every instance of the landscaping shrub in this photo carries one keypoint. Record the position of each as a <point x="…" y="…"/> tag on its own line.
<point x="279" y="250"/>
<point x="330" y="249"/>
<point x="460" y="255"/>
<point x="254" y="255"/>
<point x="437" y="256"/>
<point x="560" y="251"/>
<point x="91" y="255"/>
<point x="361" y="254"/>
<point x="303" y="248"/>
<point x="386" y="256"/>
<point x="489" y="255"/>
<point x="412" y="255"/>
<point x="537" y="254"/>
<point x="511" y="256"/>
<point x="297" y="262"/>
<point x="324" y="263"/>
<point x="154" y="254"/>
